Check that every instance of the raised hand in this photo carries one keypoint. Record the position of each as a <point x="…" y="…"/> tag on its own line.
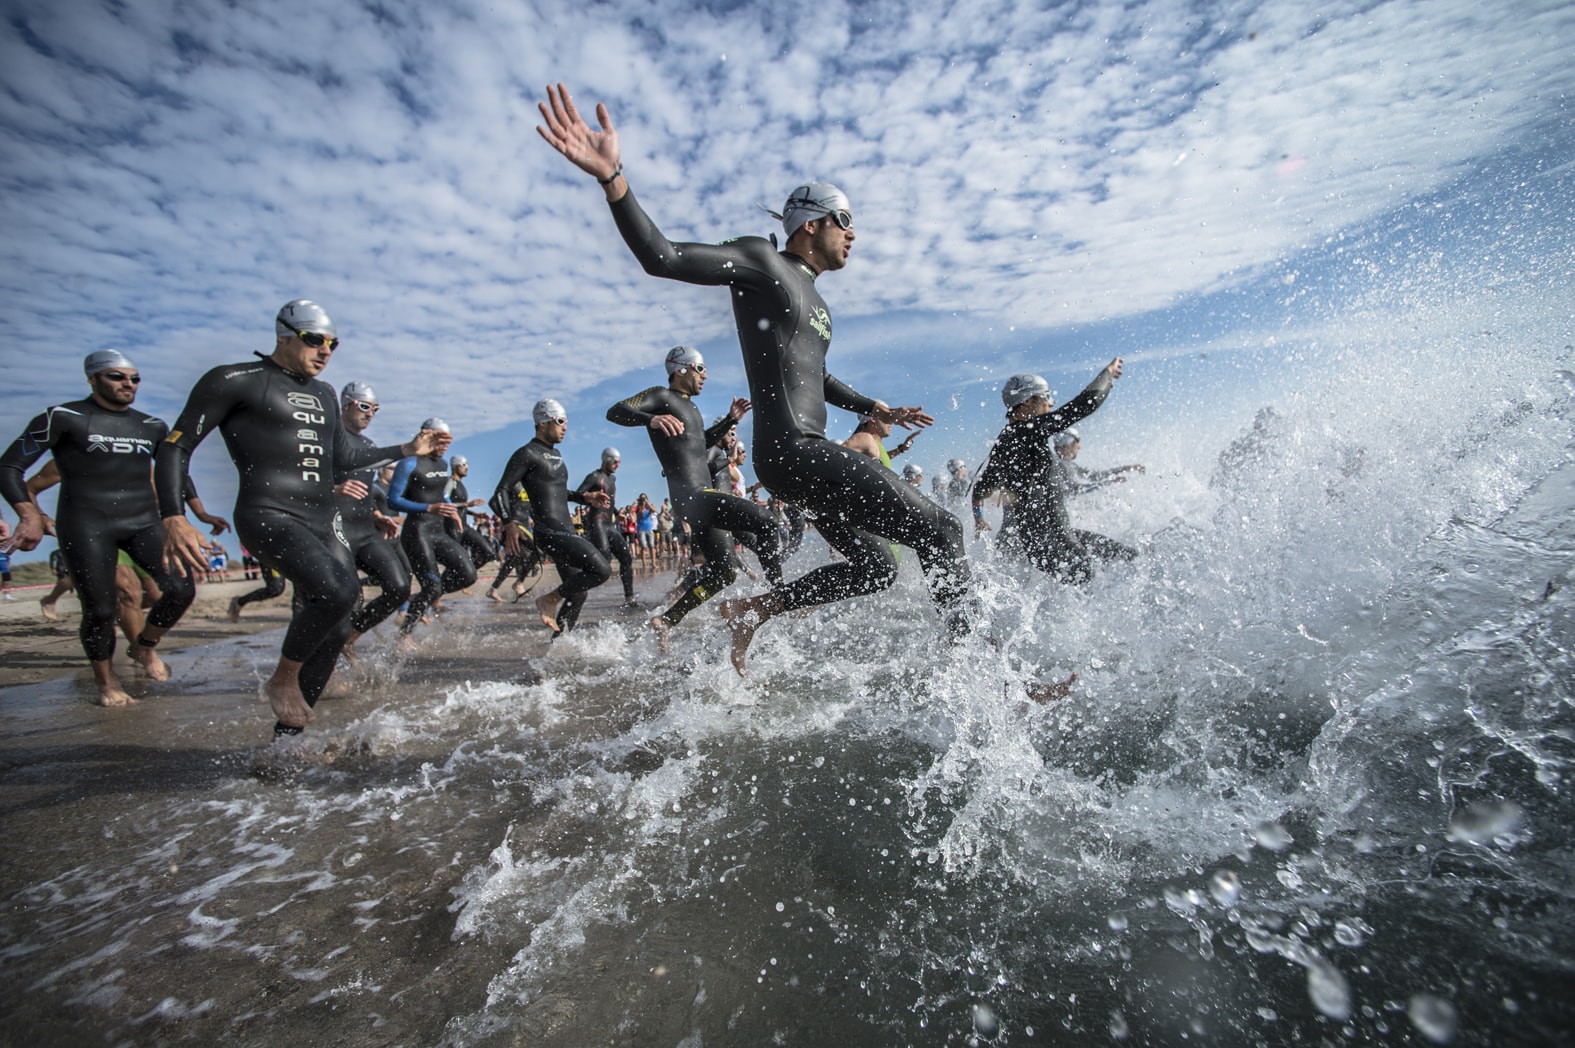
<point x="594" y="152"/>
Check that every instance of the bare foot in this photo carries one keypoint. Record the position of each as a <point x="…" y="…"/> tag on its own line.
<point x="289" y="705"/>
<point x="547" y="607"/>
<point x="348" y="651"/>
<point x="519" y="587"/>
<point x="151" y="664"/>
<point x="664" y="633"/>
<point x="337" y="688"/>
<point x="234" y="614"/>
<point x="48" y="608"/>
<point x="407" y="643"/>
<point x="1046" y="692"/>
<point x="492" y="594"/>
<point x="114" y="695"/>
<point x="742" y="621"/>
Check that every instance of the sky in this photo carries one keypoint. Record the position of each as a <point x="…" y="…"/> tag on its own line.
<point x="1036" y="187"/>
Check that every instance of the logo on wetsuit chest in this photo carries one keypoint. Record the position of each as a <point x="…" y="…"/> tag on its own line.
<point x="820" y="320"/>
<point x="119" y="445"/>
<point x="308" y="410"/>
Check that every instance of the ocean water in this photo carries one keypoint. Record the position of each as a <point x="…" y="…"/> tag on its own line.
<point x="1312" y="786"/>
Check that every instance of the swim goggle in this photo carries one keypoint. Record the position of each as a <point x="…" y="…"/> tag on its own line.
<point x="843" y="218"/>
<point x="361" y="405"/>
<point x="312" y="338"/>
<point x="121" y="376"/>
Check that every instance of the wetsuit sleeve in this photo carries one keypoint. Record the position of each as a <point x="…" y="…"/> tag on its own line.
<point x="709" y="264"/>
<point x="714" y="435"/>
<point x="38" y="437"/>
<point x="396" y="488"/>
<point x="842" y="395"/>
<point x="1080" y="406"/>
<point x="505" y="496"/>
<point x="638" y="410"/>
<point x="211" y="401"/>
<point x="588" y="484"/>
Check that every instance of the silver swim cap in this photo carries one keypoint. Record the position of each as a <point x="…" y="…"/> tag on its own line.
<point x="814" y="201"/>
<point x="436" y="424"/>
<point x="456" y="461"/>
<point x="357" y="391"/>
<point x="681" y="357"/>
<point x="610" y="455"/>
<point x="912" y="472"/>
<point x="1019" y="389"/>
<point x="1066" y="438"/>
<point x="547" y="410"/>
<point x="104" y="360"/>
<point x="953" y="465"/>
<point x="302" y="315"/>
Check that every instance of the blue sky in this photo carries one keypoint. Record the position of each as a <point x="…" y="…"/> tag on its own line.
<point x="1035" y="189"/>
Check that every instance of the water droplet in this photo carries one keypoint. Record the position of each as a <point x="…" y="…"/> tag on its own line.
<point x="1481" y="823"/>
<point x="1273" y="836"/>
<point x="1290" y="878"/>
<point x="763" y="324"/>
<point x="1117" y="922"/>
<point x="781" y="907"/>
<point x="1329" y="991"/>
<point x="1225" y="886"/>
<point x="984" y="1021"/>
<point x="1352" y="931"/>
<point x="1118" y="1026"/>
<point x="1433" y="1017"/>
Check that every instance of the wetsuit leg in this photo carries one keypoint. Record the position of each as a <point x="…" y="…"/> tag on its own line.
<point x="440" y="564"/>
<point x="380" y="559"/>
<point x="481" y="551"/>
<point x="322" y="568"/>
<point x="712" y="509"/>
<point x="850" y="493"/>
<point x="1105" y="548"/>
<point x="795" y="528"/>
<point x="177" y="590"/>
<point x="581" y="567"/>
<point x="90" y="553"/>
<point x="703" y="583"/>
<point x="273" y="585"/>
<point x="615" y="545"/>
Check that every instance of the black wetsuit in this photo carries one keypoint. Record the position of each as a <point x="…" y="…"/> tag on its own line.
<point x="784" y="330"/>
<point x="515" y="509"/>
<point x="539" y="470"/>
<point x="1034" y="521"/>
<point x="374" y="554"/>
<point x="440" y="564"/>
<point x="283" y="433"/>
<point x="106" y="505"/>
<point x="476" y="544"/>
<point x="601" y="527"/>
<point x="273" y="586"/>
<point x="709" y="512"/>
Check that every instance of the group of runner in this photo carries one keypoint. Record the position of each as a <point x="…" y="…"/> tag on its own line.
<point x="310" y="509"/>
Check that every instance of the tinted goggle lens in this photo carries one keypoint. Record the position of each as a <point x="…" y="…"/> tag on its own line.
<point x="121" y="376"/>
<point x="843" y="219"/>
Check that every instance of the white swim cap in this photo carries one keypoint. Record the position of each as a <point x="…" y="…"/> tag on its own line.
<point x="679" y="358"/>
<point x="104" y="360"/>
<point x="1067" y="437"/>
<point x="357" y="391"/>
<point x="813" y="201"/>
<point x="610" y="455"/>
<point x="302" y="315"/>
<point x="436" y="424"/>
<point x="1020" y="389"/>
<point x="548" y="410"/>
<point x="456" y="461"/>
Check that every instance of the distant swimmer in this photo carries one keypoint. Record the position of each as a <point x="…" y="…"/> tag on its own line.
<point x="476" y="544"/>
<point x="913" y="473"/>
<point x="601" y="524"/>
<point x="512" y="509"/>
<point x="540" y="471"/>
<point x="677" y="433"/>
<point x="281" y="426"/>
<point x="1026" y="469"/>
<point x="955" y="487"/>
<point x="419" y="490"/>
<point x="104" y="449"/>
<point x="869" y="440"/>
<point x="1080" y="478"/>
<point x="367" y="527"/>
<point x="784" y="330"/>
<point x="271" y="588"/>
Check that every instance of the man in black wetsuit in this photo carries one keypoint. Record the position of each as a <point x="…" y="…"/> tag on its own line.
<point x="669" y="415"/>
<point x="419" y="490"/>
<point x="513" y="512"/>
<point x="476" y="544"/>
<point x="540" y="472"/>
<point x="1081" y="479"/>
<point x="104" y="449"/>
<point x="281" y="426"/>
<point x="601" y="525"/>
<point x="369" y="531"/>
<point x="1023" y="464"/>
<point x="784" y="330"/>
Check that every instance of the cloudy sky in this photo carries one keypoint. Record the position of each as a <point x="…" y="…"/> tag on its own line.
<point x="1036" y="186"/>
